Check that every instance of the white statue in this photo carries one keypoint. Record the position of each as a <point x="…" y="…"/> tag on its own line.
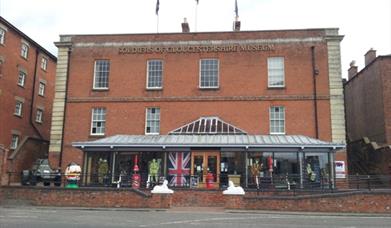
<point x="162" y="189"/>
<point x="232" y="190"/>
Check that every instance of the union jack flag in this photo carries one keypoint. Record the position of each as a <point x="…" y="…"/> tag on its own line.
<point x="178" y="168"/>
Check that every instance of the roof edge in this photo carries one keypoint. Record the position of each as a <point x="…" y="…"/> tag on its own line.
<point x="30" y="40"/>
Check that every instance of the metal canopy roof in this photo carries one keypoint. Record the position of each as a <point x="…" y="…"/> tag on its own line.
<point x="226" y="141"/>
<point x="210" y="125"/>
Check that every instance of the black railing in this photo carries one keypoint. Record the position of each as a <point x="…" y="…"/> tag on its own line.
<point x="275" y="183"/>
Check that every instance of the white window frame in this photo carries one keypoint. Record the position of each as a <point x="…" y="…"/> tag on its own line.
<point x="39" y="116"/>
<point x="22" y="78"/>
<point x="99" y="111"/>
<point x="149" y="122"/>
<point x="18" y="108"/>
<point x="275" y="72"/>
<point x="41" y="89"/>
<point x="95" y="87"/>
<point x="217" y="76"/>
<point x="24" y="50"/>
<point x="277" y="118"/>
<point x="14" y="141"/>
<point x="2" y="35"/>
<point x="44" y="63"/>
<point x="151" y="71"/>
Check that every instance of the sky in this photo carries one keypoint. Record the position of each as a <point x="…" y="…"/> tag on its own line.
<point x="365" y="24"/>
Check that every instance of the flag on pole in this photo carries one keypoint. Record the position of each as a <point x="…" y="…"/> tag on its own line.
<point x="157" y="7"/>
<point x="236" y="8"/>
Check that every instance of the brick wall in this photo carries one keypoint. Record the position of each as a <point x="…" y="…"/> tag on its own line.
<point x="9" y="89"/>
<point x="357" y="202"/>
<point x="386" y="72"/>
<point x="352" y="202"/>
<point x="243" y="97"/>
<point x="367" y="99"/>
<point x="86" y="198"/>
<point x="199" y="198"/>
<point x="24" y="157"/>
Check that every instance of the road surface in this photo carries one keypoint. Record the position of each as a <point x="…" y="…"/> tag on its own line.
<point x="45" y="217"/>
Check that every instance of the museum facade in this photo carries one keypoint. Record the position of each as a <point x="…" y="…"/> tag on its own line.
<point x="199" y="108"/>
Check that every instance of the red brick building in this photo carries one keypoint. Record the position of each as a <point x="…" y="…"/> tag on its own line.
<point x="220" y="102"/>
<point x="368" y="115"/>
<point x="27" y="77"/>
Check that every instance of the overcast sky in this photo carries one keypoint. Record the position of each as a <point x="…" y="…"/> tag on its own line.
<point x="365" y="23"/>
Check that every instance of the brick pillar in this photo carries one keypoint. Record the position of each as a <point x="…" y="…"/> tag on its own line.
<point x="233" y="202"/>
<point x="160" y="201"/>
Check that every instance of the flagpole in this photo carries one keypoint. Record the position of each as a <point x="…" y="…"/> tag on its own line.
<point x="157" y="23"/>
<point x="157" y="15"/>
<point x="196" y="13"/>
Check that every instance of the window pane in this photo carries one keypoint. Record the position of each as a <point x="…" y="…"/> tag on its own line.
<point x="98" y="121"/>
<point x="44" y="63"/>
<point x="276" y="73"/>
<point x="153" y="121"/>
<point x="155" y="72"/>
<point x="24" y="51"/>
<point x="2" y="35"/>
<point x="21" y="78"/>
<point x="101" y="77"/>
<point x="14" y="141"/>
<point x="277" y="120"/>
<point x="41" y="89"/>
<point x="209" y="73"/>
<point x="39" y="116"/>
<point x="18" y="108"/>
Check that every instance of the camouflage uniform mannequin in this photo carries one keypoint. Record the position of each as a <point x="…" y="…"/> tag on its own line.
<point x="154" y="170"/>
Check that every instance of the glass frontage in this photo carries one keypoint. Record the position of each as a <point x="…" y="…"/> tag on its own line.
<point x="98" y="169"/>
<point x="259" y="168"/>
<point x="204" y="169"/>
<point x="123" y="168"/>
<point x="316" y="170"/>
<point x="232" y="168"/>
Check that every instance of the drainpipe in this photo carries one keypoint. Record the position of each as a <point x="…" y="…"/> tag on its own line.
<point x="315" y="72"/>
<point x="33" y="95"/>
<point x="65" y="107"/>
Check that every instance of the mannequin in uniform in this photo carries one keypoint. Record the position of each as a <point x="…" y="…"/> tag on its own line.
<point x="153" y="171"/>
<point x="255" y="168"/>
<point x="103" y="169"/>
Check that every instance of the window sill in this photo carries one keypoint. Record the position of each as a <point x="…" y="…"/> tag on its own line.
<point x="100" y="89"/>
<point x="39" y="122"/>
<point x="97" y="136"/>
<point x="152" y="133"/>
<point x="17" y="115"/>
<point x="209" y="88"/>
<point x="283" y="133"/>
<point x="21" y="86"/>
<point x="154" y="89"/>
<point x="276" y="87"/>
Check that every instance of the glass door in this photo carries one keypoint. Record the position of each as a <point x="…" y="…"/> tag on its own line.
<point x="205" y="166"/>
